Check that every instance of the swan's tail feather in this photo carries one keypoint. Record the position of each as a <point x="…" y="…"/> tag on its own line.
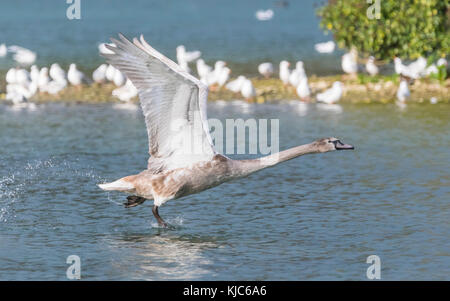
<point x="119" y="185"/>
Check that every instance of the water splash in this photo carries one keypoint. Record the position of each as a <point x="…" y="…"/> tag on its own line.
<point x="176" y="223"/>
<point x="28" y="178"/>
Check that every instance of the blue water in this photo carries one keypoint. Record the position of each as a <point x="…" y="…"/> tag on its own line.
<point x="226" y="30"/>
<point x="317" y="217"/>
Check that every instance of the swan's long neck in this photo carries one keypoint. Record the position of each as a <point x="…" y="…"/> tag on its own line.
<point x="246" y="167"/>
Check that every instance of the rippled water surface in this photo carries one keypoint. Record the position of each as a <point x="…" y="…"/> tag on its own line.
<point x="316" y="217"/>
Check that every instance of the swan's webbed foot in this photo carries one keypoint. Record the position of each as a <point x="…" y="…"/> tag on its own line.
<point x="133" y="201"/>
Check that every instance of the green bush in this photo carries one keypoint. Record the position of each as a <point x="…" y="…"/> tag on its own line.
<point x="403" y="28"/>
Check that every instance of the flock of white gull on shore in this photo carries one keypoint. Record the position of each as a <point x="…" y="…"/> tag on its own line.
<point x="22" y="84"/>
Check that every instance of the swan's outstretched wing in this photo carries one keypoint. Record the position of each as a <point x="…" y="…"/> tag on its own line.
<point x="173" y="103"/>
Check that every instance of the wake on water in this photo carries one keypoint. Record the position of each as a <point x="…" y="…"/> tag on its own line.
<point x="38" y="176"/>
<point x="34" y="177"/>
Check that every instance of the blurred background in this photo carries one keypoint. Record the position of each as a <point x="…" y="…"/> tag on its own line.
<point x="221" y="30"/>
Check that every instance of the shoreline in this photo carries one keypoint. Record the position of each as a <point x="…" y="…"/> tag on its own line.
<point x="360" y="89"/>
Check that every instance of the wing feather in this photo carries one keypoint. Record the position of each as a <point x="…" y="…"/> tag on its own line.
<point x="173" y="103"/>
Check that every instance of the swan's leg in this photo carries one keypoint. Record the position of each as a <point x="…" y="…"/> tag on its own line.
<point x="161" y="222"/>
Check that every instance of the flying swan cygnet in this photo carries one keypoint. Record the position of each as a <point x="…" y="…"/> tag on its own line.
<point x="174" y="106"/>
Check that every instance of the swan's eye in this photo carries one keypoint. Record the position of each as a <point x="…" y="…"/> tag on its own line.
<point x="336" y="142"/>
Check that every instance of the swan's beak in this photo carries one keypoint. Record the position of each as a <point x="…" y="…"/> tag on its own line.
<point x="342" y="146"/>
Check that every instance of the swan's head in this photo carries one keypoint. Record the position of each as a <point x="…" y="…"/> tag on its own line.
<point x="331" y="144"/>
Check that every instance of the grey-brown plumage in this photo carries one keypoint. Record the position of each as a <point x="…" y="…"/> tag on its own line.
<point x="182" y="157"/>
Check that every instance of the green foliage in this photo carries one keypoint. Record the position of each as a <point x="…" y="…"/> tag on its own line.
<point x="441" y="75"/>
<point x="405" y="28"/>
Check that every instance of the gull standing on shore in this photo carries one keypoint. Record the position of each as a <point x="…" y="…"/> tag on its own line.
<point x="371" y="68"/>
<point x="285" y="72"/>
<point x="236" y="85"/>
<point x="185" y="57"/>
<point x="297" y="74"/>
<point x="403" y="91"/>
<point x="99" y="74"/>
<point x="75" y="76"/>
<point x="247" y="89"/>
<point x="303" y="90"/>
<point x="349" y="62"/>
<point x="57" y="73"/>
<point x="126" y="92"/>
<point x="266" y="69"/>
<point x="203" y="70"/>
<point x="332" y="95"/>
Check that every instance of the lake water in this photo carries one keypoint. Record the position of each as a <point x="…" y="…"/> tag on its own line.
<point x="226" y="30"/>
<point x="317" y="217"/>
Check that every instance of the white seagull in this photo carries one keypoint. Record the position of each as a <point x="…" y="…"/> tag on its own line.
<point x="332" y="95"/>
<point x="349" y="62"/>
<point x="236" y="85"/>
<point x="183" y="160"/>
<point x="185" y="57"/>
<point x="75" y="76"/>
<point x="326" y="47"/>
<point x="57" y="73"/>
<point x="34" y="73"/>
<point x="247" y="89"/>
<point x="264" y="15"/>
<point x="119" y="79"/>
<point x="371" y="68"/>
<point x="3" y="50"/>
<point x="99" y="74"/>
<point x="414" y="70"/>
<point x="219" y="75"/>
<point x="22" y="55"/>
<point x="266" y="69"/>
<point x="110" y="71"/>
<point x="442" y="62"/>
<point x="43" y="80"/>
<point x="126" y="92"/>
<point x="303" y="90"/>
<point x="297" y="74"/>
<point x="103" y="50"/>
<point x="285" y="72"/>
<point x="403" y="91"/>
<point x="203" y="69"/>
